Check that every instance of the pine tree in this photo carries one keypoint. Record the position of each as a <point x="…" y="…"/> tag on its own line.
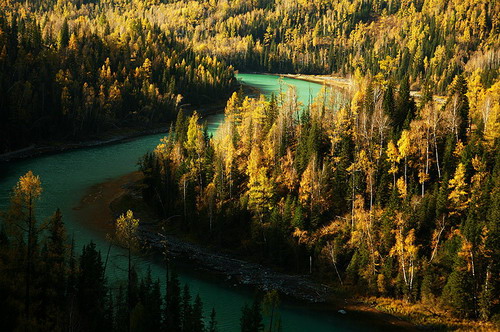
<point x="212" y="324"/>
<point x="91" y="288"/>
<point x="457" y="291"/>
<point x="63" y="39"/>
<point x="251" y="318"/>
<point x="54" y="275"/>
<point x="198" y="324"/>
<point x="172" y="315"/>
<point x="187" y="311"/>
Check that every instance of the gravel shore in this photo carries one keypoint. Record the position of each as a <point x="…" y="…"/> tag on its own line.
<point x="239" y="271"/>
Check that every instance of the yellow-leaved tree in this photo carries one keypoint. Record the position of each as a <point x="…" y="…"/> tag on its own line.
<point x="363" y="233"/>
<point x="195" y="148"/>
<point x="406" y="250"/>
<point x="126" y="236"/>
<point x="393" y="157"/>
<point x="260" y="188"/>
<point x="458" y="195"/>
<point x="405" y="150"/>
<point x="490" y="112"/>
<point x="22" y="224"/>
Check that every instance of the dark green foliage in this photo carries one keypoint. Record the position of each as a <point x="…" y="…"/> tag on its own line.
<point x="405" y="107"/>
<point x="458" y="292"/>
<point x="197" y="315"/>
<point x="172" y="315"/>
<point x="69" y="293"/>
<point x="91" y="288"/>
<point x="212" y="324"/>
<point x="187" y="310"/>
<point x="251" y="317"/>
<point x="63" y="38"/>
<point x="147" y="314"/>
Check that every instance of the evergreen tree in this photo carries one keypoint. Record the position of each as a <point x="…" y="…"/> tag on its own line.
<point x="212" y="324"/>
<point x="63" y="38"/>
<point x="91" y="288"/>
<point x="198" y="324"/>
<point x="172" y="311"/>
<point x="251" y="318"/>
<point x="187" y="311"/>
<point x="458" y="290"/>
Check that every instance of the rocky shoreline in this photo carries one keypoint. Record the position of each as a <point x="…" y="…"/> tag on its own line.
<point x="104" y="202"/>
<point x="237" y="270"/>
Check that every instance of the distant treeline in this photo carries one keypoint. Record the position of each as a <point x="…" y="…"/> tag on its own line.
<point x="431" y="41"/>
<point x="70" y="77"/>
<point x="56" y="79"/>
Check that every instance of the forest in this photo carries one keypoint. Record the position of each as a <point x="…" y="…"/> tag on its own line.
<point x="426" y="40"/>
<point x="384" y="194"/>
<point x="72" y="69"/>
<point x="391" y="190"/>
<point x="68" y="73"/>
<point x="45" y="285"/>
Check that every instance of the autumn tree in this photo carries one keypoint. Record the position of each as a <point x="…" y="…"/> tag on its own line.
<point x="22" y="214"/>
<point x="127" y="237"/>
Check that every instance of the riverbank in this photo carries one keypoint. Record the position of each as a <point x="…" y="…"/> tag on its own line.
<point x="110" y="137"/>
<point x="347" y="84"/>
<point x="113" y="136"/>
<point x="103" y="202"/>
<point x="335" y="81"/>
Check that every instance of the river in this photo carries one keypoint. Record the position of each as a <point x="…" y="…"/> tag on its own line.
<point x="67" y="176"/>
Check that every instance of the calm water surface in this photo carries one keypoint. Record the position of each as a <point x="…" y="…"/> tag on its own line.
<point x="67" y="176"/>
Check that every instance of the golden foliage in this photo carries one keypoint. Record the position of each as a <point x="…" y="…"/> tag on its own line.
<point x="29" y="187"/>
<point x="126" y="230"/>
<point x="458" y="194"/>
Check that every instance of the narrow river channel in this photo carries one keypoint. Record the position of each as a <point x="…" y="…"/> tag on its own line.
<point x="67" y="176"/>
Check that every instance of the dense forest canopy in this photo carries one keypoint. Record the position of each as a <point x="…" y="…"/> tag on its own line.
<point x="383" y="194"/>
<point x="431" y="41"/>
<point x="380" y="192"/>
<point x="67" y="73"/>
<point x="74" y="68"/>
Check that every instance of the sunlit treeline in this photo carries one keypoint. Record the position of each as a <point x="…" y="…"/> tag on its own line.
<point x="391" y="196"/>
<point x="70" y="75"/>
<point x="431" y="41"/>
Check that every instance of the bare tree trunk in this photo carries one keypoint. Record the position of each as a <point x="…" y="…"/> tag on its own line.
<point x="406" y="167"/>
<point x="437" y="241"/>
<point x="27" y="303"/>
<point x="426" y="166"/>
<point x="129" y="305"/>
<point x="437" y="156"/>
<point x="334" y="261"/>
<point x="184" y="196"/>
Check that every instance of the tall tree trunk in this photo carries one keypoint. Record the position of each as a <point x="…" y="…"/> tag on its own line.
<point x="27" y="303"/>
